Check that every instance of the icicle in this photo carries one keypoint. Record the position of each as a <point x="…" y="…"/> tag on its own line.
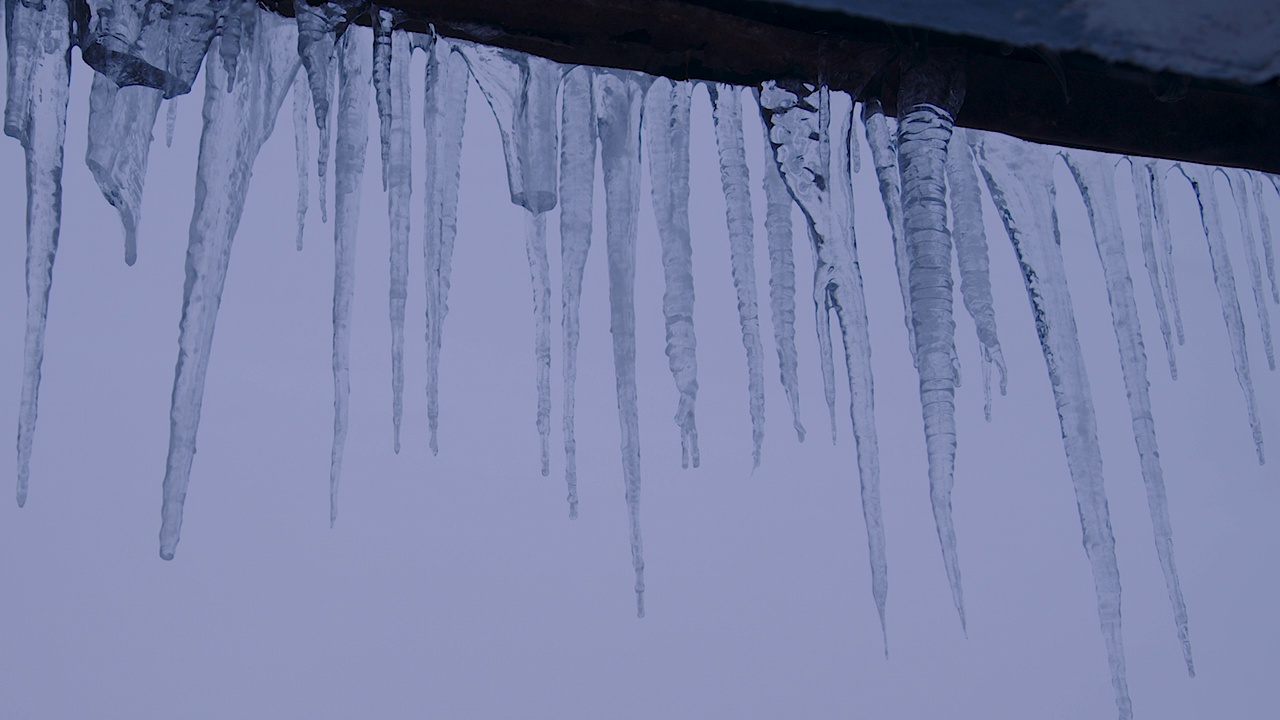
<point x="170" y="121"/>
<point x="1095" y="176"/>
<point x="120" y="122"/>
<point x="809" y="130"/>
<point x="929" y="97"/>
<point x="383" y="21"/>
<point x="577" y="183"/>
<point x="188" y="33"/>
<point x="1264" y="223"/>
<point x="1201" y="179"/>
<point x="971" y="256"/>
<point x="521" y="91"/>
<point x="884" y="155"/>
<point x="319" y="27"/>
<point x="354" y="52"/>
<point x="619" y="97"/>
<point x="1241" y="194"/>
<point x="124" y="40"/>
<point x="236" y="124"/>
<point x="444" y="109"/>
<point x="535" y="238"/>
<point x="399" y="154"/>
<point x="666" y="134"/>
<point x="727" y="111"/>
<point x="38" y="43"/>
<point x="1144" y="193"/>
<point x="1020" y="178"/>
<point x="301" y="149"/>
<point x="1160" y="204"/>
<point x="782" y="278"/>
<point x="237" y="15"/>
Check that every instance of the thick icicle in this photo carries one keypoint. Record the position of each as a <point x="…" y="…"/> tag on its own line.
<point x="577" y="184"/>
<point x="619" y="99"/>
<point x="319" y="27"/>
<point x="727" y="112"/>
<point x="928" y="99"/>
<point x="1095" y="175"/>
<point x="884" y="156"/>
<point x="301" y="150"/>
<point x="782" y="278"/>
<point x="1242" y="193"/>
<point x="1159" y="205"/>
<point x="1020" y="178"/>
<point x="170" y="121"/>
<point x="1144" y="193"/>
<point x="666" y="134"/>
<point x="383" y="21"/>
<point x="1224" y="279"/>
<point x="38" y="43"/>
<point x="236" y="123"/>
<point x="398" y="153"/>
<point x="521" y="90"/>
<point x="120" y="123"/>
<point x="1264" y="225"/>
<point x="354" y="52"/>
<point x="444" y="109"/>
<point x="809" y="130"/>
<point x="971" y="255"/>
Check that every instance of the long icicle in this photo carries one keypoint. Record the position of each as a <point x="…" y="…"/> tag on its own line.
<point x="236" y="123"/>
<point x="319" y="27"/>
<point x="38" y="43"/>
<point x="1160" y="205"/>
<point x="577" y="184"/>
<point x="666" y="134"/>
<point x="619" y="99"/>
<point x="120" y="124"/>
<point x="965" y="198"/>
<point x="1095" y="175"/>
<point x="809" y="131"/>
<point x="521" y="91"/>
<point x="1242" y="194"/>
<point x="1264" y="225"/>
<point x="793" y="122"/>
<point x="1019" y="176"/>
<point x="399" y="175"/>
<point x="782" y="277"/>
<point x="727" y="112"/>
<point x="884" y="156"/>
<point x="354" y="53"/>
<point x="444" y="110"/>
<point x="1144" y="193"/>
<point x="301" y="150"/>
<point x="1224" y="279"/>
<point x="930" y="95"/>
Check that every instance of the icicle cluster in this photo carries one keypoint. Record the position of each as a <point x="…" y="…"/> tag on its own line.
<point x="555" y="122"/>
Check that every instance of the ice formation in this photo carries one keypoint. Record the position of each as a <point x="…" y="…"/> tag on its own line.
<point x="339" y="56"/>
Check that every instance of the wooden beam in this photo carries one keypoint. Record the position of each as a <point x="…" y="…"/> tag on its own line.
<point x="1073" y="99"/>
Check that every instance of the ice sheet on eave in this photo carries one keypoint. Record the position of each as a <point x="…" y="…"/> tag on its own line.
<point x="1224" y="40"/>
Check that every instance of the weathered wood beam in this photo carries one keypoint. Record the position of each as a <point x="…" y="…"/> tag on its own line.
<point x="1073" y="99"/>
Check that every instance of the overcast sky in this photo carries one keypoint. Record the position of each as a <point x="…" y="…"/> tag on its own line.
<point x="456" y="586"/>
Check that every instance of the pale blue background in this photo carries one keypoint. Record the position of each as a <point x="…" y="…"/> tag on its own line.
<point x="456" y="587"/>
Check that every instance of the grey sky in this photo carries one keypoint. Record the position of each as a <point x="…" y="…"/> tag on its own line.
<point x="456" y="586"/>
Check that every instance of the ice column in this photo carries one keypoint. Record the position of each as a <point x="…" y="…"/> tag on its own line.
<point x="666" y="134"/>
<point x="1095" y="175"/>
<point x="619" y="99"/>
<point x="810" y="132"/>
<point x="39" y="54"/>
<point x="930" y="95"/>
<point x="236" y="123"/>
<point x="577" y="184"/>
<point x="1020" y="178"/>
